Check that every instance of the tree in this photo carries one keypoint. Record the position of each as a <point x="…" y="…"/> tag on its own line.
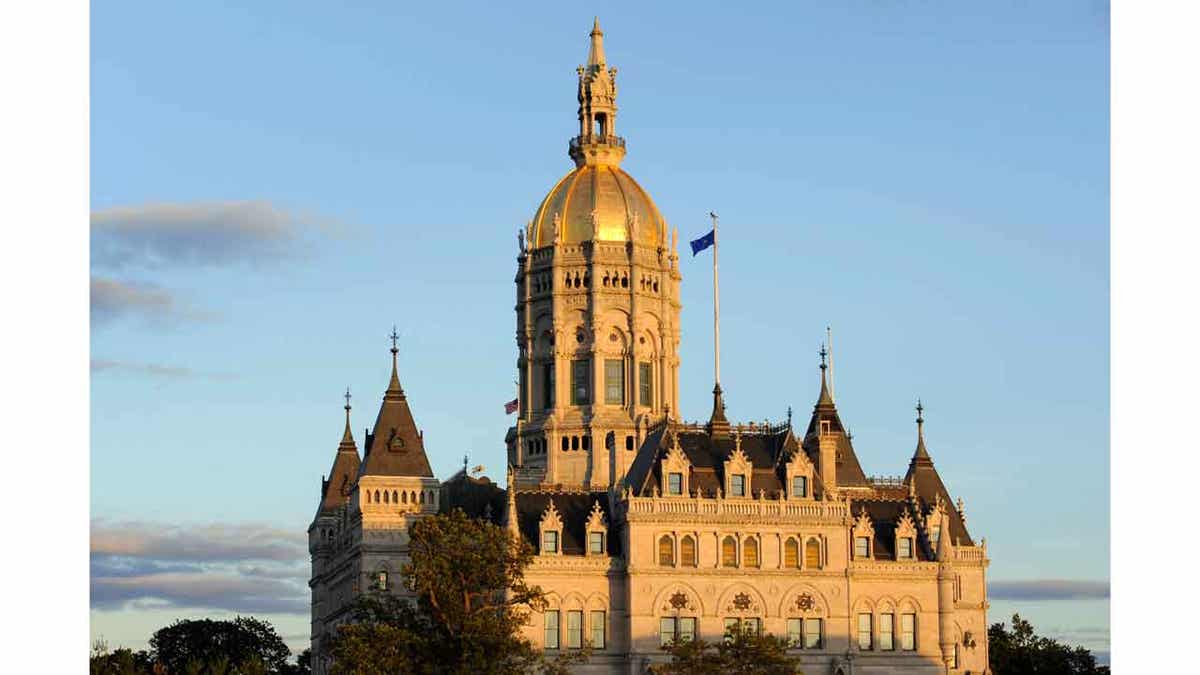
<point x="1021" y="652"/>
<point x="742" y="652"/>
<point x="122" y="661"/>
<point x="471" y="604"/>
<point x="243" y="646"/>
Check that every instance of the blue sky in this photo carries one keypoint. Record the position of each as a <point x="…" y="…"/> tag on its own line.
<point x="274" y="186"/>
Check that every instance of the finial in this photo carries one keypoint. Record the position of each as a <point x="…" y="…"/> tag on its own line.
<point x="789" y="416"/>
<point x="347" y="437"/>
<point x="395" y="338"/>
<point x="465" y="461"/>
<point x="394" y="389"/>
<point x="849" y="436"/>
<point x="596" y="53"/>
<point x="920" y="410"/>
<point x="823" y="354"/>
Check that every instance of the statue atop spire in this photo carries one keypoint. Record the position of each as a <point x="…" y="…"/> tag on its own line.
<point x="597" y="142"/>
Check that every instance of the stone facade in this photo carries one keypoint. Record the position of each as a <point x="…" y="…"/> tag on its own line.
<point x="644" y="526"/>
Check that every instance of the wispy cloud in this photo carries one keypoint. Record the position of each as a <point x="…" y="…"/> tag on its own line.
<point x="197" y="234"/>
<point x="153" y="370"/>
<point x="239" y="567"/>
<point x="1048" y="589"/>
<point x="112" y="300"/>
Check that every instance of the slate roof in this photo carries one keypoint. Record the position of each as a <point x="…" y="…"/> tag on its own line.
<point x="766" y="449"/>
<point x="573" y="508"/>
<point x="395" y="446"/>
<point x="342" y="475"/>
<point x="477" y="497"/>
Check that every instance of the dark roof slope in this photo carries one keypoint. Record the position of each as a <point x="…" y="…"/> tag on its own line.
<point x="477" y="497"/>
<point x="336" y="489"/>
<point x="765" y="448"/>
<point x="573" y="508"/>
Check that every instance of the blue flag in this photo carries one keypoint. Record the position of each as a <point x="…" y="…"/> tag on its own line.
<point x="703" y="242"/>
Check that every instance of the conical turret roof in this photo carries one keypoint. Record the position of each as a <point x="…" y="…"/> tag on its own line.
<point x="343" y="474"/>
<point x="395" y="446"/>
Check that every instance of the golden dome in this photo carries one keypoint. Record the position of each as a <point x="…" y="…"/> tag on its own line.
<point x="603" y="192"/>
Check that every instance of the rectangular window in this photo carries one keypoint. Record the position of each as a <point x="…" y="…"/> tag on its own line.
<point x="581" y="382"/>
<point x="666" y="631"/>
<point x="574" y="630"/>
<point x="687" y="628"/>
<point x="614" y="381"/>
<point x="751" y="626"/>
<point x="812" y="634"/>
<point x="551" y="637"/>
<point x="799" y="486"/>
<point x="674" y="483"/>
<point x="864" y="631"/>
<point x="885" y="632"/>
<point x="645" y="385"/>
<point x="934" y="535"/>
<point x="794" y="632"/>
<point x="904" y="552"/>
<point x="599" y="627"/>
<point x="862" y="547"/>
<point x="550" y="541"/>
<point x="596" y="543"/>
<point x="731" y="625"/>
<point x="548" y="385"/>
<point x="737" y="485"/>
<point x="908" y="630"/>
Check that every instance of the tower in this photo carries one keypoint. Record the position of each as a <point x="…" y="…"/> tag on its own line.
<point x="597" y="308"/>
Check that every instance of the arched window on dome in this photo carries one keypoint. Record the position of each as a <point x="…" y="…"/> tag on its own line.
<point x="687" y="551"/>
<point x="395" y="498"/>
<point x="666" y="551"/>
<point x="404" y="497"/>
<point x="385" y="497"/>
<point x="791" y="553"/>
<point x="812" y="554"/>
<point x="729" y="552"/>
<point x="750" y="552"/>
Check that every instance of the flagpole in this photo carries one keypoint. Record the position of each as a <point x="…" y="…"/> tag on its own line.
<point x="716" y="308"/>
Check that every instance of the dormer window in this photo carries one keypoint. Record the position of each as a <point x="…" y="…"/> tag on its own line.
<point x="550" y="527"/>
<point x="596" y="543"/>
<point x="675" y="483"/>
<point x="862" y="547"/>
<point x="737" y="485"/>
<point x="550" y="542"/>
<point x="799" y="486"/>
<point x="904" y="548"/>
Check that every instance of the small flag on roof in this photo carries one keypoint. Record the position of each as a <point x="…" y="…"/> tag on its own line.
<point x="704" y="242"/>
<point x="510" y="407"/>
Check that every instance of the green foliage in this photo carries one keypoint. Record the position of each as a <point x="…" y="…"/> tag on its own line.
<point x="1021" y="652"/>
<point x="471" y="604"/>
<point x="243" y="646"/>
<point x="742" y="652"/>
<point x="120" y="662"/>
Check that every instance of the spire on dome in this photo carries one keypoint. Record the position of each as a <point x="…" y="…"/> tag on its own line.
<point x="596" y="53"/>
<point x="597" y="142"/>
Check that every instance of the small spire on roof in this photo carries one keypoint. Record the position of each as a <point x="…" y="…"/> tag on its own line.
<point x="394" y="388"/>
<point x="921" y="451"/>
<point x="347" y="437"/>
<point x="825" y="397"/>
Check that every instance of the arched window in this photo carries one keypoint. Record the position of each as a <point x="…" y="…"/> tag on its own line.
<point x="687" y="551"/>
<point x="413" y="497"/>
<point x="422" y="496"/>
<point x="729" y="552"/>
<point x="385" y="497"/>
<point x="395" y="498"/>
<point x="666" y="551"/>
<point x="377" y="496"/>
<point x="750" y="552"/>
<point x="791" y="553"/>
<point x="812" y="554"/>
<point x="404" y="497"/>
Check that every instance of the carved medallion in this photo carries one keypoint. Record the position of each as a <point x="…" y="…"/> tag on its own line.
<point x="741" y="601"/>
<point x="679" y="600"/>
<point x="805" y="603"/>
